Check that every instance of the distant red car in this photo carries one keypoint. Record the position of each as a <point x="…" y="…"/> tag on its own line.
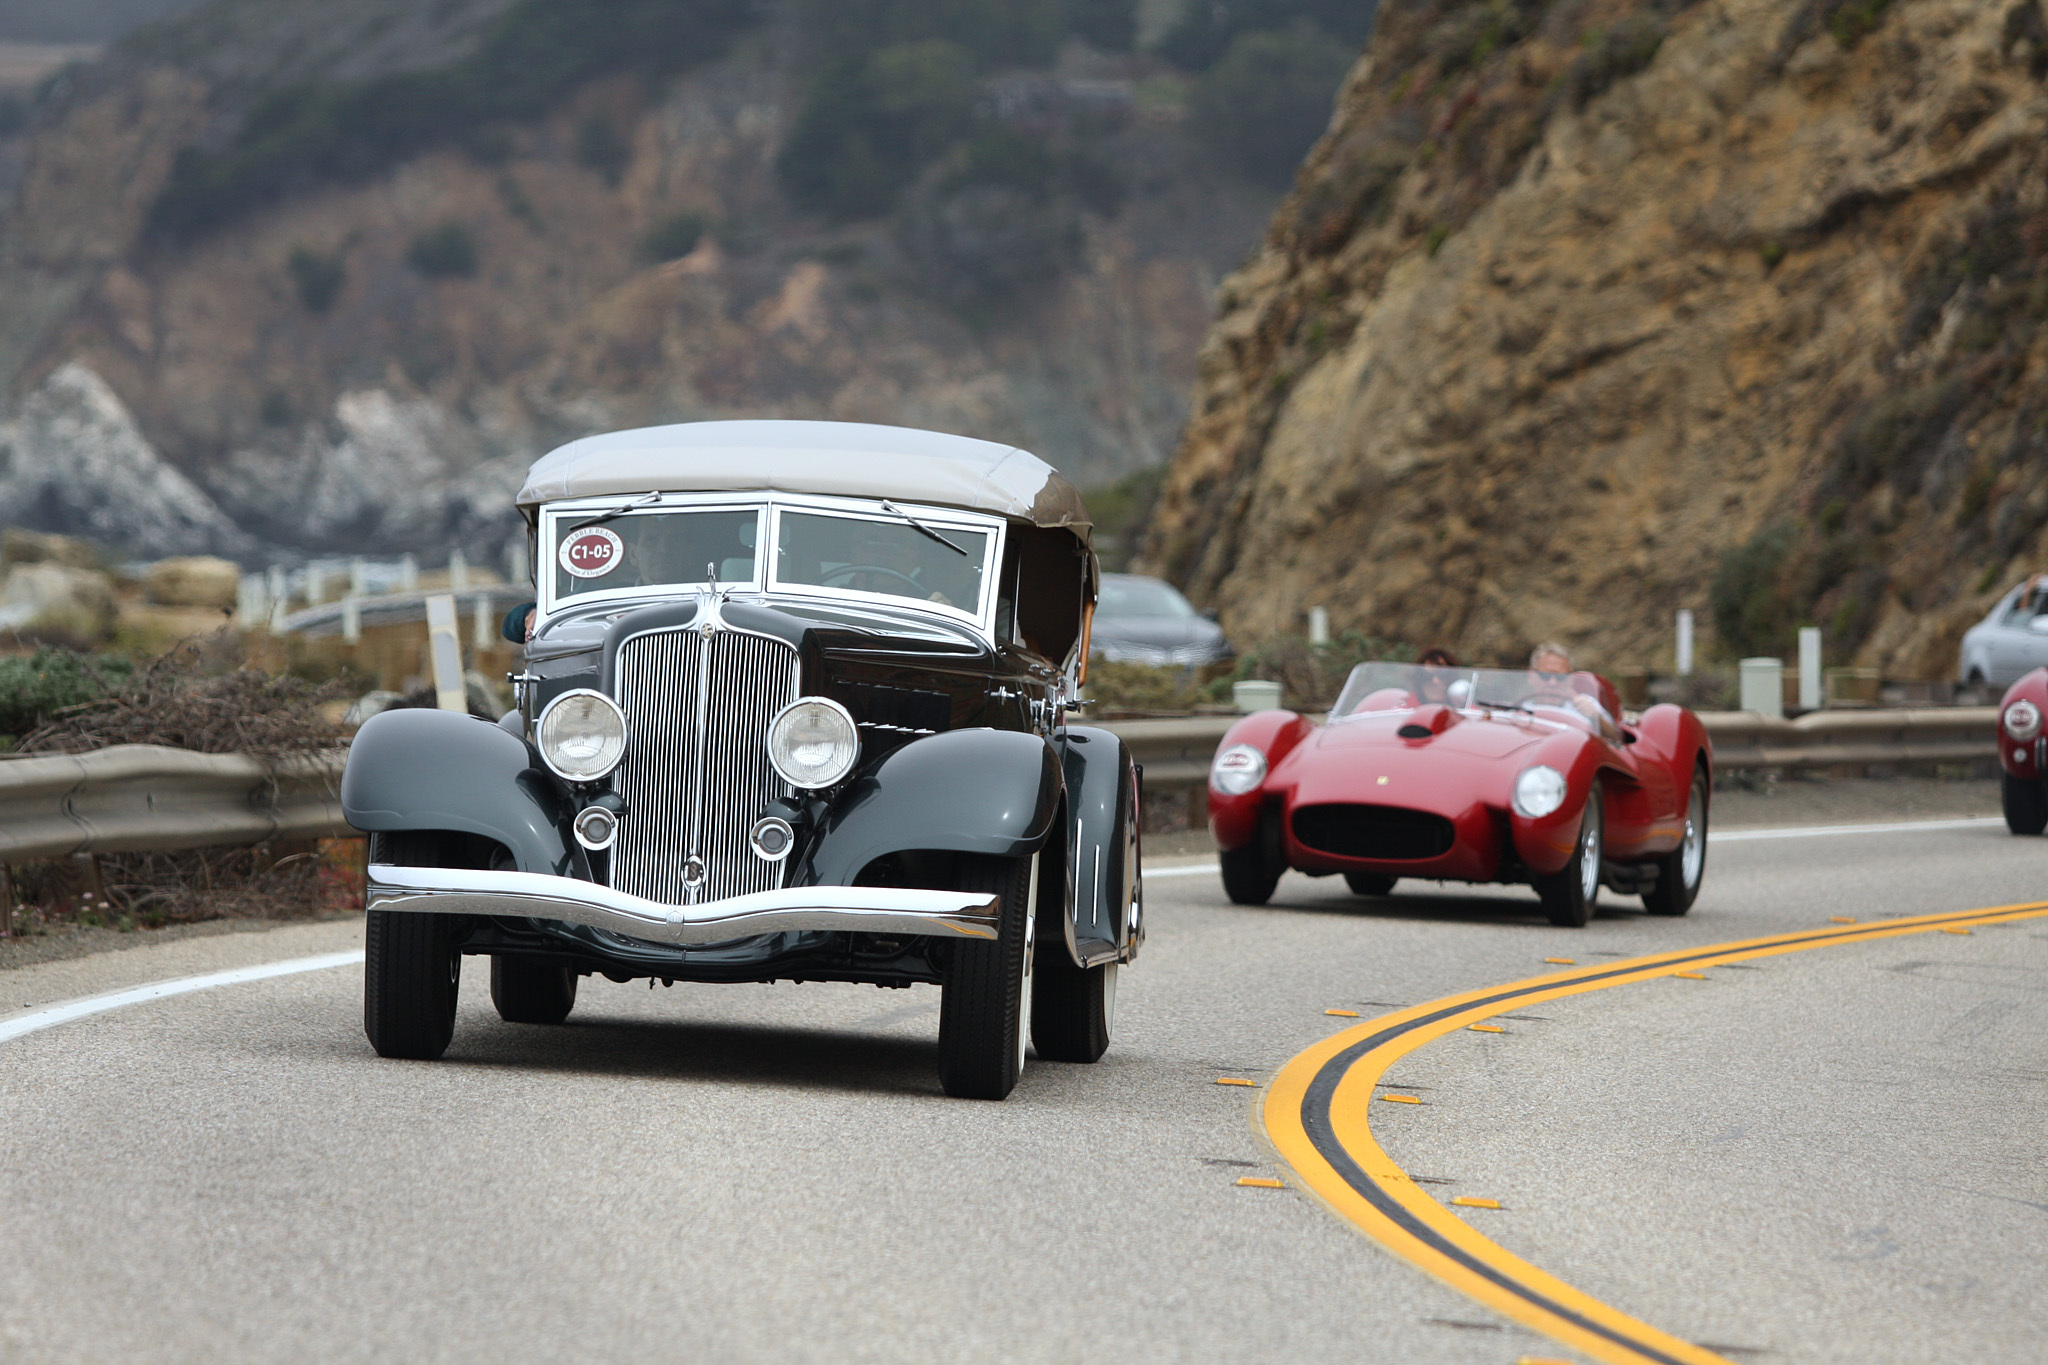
<point x="1477" y="775"/>
<point x="2023" y="753"/>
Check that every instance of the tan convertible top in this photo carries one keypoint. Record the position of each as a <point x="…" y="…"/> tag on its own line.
<point x="843" y="459"/>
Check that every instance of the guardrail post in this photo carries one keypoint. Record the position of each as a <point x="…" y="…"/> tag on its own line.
<point x="358" y="577"/>
<point x="1809" y="668"/>
<point x="483" y="631"/>
<point x="444" y="652"/>
<point x="1684" y="642"/>
<point x="1763" y="686"/>
<point x="408" y="573"/>
<point x="1318" y="625"/>
<point x="351" y="618"/>
<point x="458" y="571"/>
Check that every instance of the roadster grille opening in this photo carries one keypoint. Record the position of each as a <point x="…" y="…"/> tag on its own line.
<point x="696" y="773"/>
<point x="1358" y="831"/>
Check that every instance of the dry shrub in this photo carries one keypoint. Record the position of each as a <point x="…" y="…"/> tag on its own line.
<point x="200" y="696"/>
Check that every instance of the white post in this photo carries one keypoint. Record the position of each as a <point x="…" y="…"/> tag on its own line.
<point x="458" y="572"/>
<point x="516" y="570"/>
<point x="358" y="577"/>
<point x="1318" y="625"/>
<point x="251" y="602"/>
<point x="483" y="631"/>
<point x="278" y="586"/>
<point x="444" y="651"/>
<point x="351" y="618"/>
<point x="1763" y="686"/>
<point x="1809" y="668"/>
<point x="409" y="573"/>
<point x="316" y="582"/>
<point x="1684" y="642"/>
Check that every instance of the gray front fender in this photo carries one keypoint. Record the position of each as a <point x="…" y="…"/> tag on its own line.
<point x="440" y="770"/>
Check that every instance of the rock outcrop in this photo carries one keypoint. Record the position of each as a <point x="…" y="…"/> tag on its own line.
<point x="1590" y="310"/>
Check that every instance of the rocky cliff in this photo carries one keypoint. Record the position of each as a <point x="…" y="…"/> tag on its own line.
<point x="332" y="274"/>
<point x="1587" y="310"/>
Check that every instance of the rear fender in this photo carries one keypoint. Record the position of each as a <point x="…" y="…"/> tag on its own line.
<point x="1234" y="820"/>
<point x="416" y="769"/>
<point x="1103" y="921"/>
<point x="964" y="791"/>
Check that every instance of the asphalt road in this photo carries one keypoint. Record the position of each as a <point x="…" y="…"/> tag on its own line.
<point x="1834" y="1155"/>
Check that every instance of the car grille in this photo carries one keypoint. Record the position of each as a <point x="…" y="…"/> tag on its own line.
<point x="1393" y="833"/>
<point x="696" y="774"/>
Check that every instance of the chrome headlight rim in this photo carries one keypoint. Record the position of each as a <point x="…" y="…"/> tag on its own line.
<point x="2022" y="720"/>
<point x="1238" y="770"/>
<point x="547" y="754"/>
<point x="812" y="781"/>
<point x="1540" y="790"/>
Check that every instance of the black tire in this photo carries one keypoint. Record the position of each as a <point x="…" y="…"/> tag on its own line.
<point x="1073" y="1009"/>
<point x="527" y="991"/>
<point x="1681" y="871"/>
<point x="2026" y="804"/>
<point x="1370" y="883"/>
<point x="986" y="996"/>
<point x="1248" y="879"/>
<point x="1568" y="898"/>
<point x="411" y="969"/>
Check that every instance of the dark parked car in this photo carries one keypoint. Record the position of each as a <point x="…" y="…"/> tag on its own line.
<point x="1146" y="621"/>
<point x="794" y="707"/>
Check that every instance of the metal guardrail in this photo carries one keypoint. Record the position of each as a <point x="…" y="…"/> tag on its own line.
<point x="137" y="797"/>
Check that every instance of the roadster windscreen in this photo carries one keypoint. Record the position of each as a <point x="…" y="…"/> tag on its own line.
<point x="942" y="563"/>
<point x="655" y="549"/>
<point x="1396" y="687"/>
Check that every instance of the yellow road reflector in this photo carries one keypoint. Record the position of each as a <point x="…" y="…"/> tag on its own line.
<point x="1841" y="919"/>
<point x="1402" y="1099"/>
<point x="1692" y="976"/>
<point x="1466" y="1201"/>
<point x="1952" y="929"/>
<point x="1486" y="1028"/>
<point x="1234" y="1080"/>
<point x="1343" y="1014"/>
<point x="1541" y="1360"/>
<point x="1562" y="961"/>
<point x="1261" y="1182"/>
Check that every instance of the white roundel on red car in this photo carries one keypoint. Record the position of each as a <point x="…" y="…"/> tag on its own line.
<point x="591" y="552"/>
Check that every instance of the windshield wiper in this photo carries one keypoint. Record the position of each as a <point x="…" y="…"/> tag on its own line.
<point x="888" y="506"/>
<point x="618" y="511"/>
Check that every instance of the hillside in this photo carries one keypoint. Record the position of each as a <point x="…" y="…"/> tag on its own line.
<point x="334" y="273"/>
<point x="1588" y="310"/>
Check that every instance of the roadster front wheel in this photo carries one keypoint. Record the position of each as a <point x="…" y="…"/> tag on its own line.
<point x="2026" y="804"/>
<point x="1568" y="897"/>
<point x="1369" y="883"/>
<point x="411" y="969"/>
<point x="985" y="1003"/>
<point x="1679" y="872"/>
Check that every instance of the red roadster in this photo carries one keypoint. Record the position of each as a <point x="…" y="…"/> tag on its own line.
<point x="1477" y="775"/>
<point x="2023" y="753"/>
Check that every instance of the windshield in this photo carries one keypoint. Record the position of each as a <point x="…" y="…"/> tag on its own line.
<point x="890" y="557"/>
<point x="654" y="549"/>
<point x="1564" y="697"/>
<point x="1127" y="597"/>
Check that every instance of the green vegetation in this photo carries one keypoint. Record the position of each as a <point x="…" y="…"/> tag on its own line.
<point x="533" y="54"/>
<point x="317" y="278"/>
<point x="601" y="147"/>
<point x="1206" y="31"/>
<point x="34" y="688"/>
<point x="1613" y="55"/>
<point x="873" y="121"/>
<point x="674" y="237"/>
<point x="446" y="252"/>
<point x="1267" y="99"/>
<point x="1850" y="21"/>
<point x="1751" y="609"/>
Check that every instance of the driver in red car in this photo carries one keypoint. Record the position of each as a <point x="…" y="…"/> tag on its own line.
<point x="1550" y="685"/>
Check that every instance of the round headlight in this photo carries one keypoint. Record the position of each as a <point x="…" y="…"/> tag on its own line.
<point x="2023" y="720"/>
<point x="1237" y="770"/>
<point x="1539" y="791"/>
<point x="812" y="743"/>
<point x="581" y="735"/>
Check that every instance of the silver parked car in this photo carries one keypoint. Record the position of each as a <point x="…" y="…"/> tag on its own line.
<point x="2012" y="640"/>
<point x="1145" y="621"/>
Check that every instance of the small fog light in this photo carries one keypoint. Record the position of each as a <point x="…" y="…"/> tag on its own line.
<point x="771" y="838"/>
<point x="596" y="827"/>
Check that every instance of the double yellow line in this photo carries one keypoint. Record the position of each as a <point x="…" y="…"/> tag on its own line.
<point x="1317" y="1112"/>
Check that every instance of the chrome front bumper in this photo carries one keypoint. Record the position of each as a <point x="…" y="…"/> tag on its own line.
<point x="534" y="895"/>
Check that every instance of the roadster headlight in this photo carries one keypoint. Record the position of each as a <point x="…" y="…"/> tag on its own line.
<point x="1237" y="770"/>
<point x="1539" y="791"/>
<point x="812" y="742"/>
<point x="581" y="735"/>
<point x="2023" y="720"/>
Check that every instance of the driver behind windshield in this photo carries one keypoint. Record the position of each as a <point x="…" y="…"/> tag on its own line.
<point x="1550" y="685"/>
<point x="887" y="561"/>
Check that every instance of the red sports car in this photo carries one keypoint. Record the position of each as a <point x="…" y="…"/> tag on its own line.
<point x="1463" y="774"/>
<point x="2023" y="753"/>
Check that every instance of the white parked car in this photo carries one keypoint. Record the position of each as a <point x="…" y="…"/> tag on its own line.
<point x="2012" y="640"/>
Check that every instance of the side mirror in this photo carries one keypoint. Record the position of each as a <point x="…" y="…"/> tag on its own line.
<point x="514" y="627"/>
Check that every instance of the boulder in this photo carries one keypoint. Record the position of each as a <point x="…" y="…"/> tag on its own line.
<point x="18" y="546"/>
<point x="193" y="581"/>
<point x="57" y="597"/>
